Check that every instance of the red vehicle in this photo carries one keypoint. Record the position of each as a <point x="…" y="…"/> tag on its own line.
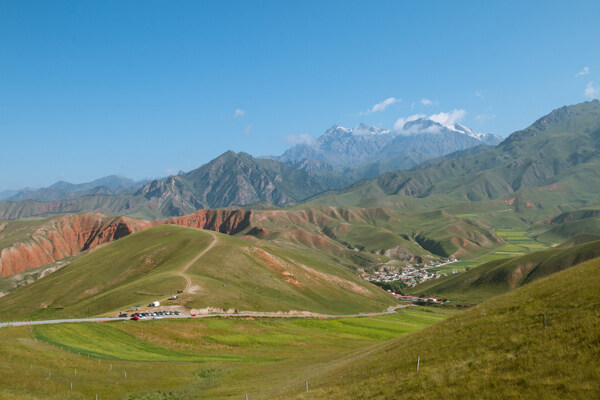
<point x="134" y="318"/>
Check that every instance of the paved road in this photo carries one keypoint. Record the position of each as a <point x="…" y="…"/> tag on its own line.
<point x="390" y="310"/>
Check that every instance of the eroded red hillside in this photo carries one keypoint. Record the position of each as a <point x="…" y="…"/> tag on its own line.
<point x="334" y="230"/>
<point x="224" y="221"/>
<point x="65" y="236"/>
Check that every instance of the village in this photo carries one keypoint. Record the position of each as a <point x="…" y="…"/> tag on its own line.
<point x="411" y="274"/>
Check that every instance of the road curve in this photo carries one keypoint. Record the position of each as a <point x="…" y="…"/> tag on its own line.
<point x="390" y="310"/>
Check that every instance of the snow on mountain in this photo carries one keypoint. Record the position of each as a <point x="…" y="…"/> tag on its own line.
<point x="364" y="129"/>
<point x="428" y="125"/>
<point x="365" y="144"/>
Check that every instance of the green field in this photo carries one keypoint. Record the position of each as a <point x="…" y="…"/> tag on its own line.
<point x="185" y="359"/>
<point x="518" y="243"/>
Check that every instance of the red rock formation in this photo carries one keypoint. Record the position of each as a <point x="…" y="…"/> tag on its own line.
<point x="224" y="221"/>
<point x="63" y="237"/>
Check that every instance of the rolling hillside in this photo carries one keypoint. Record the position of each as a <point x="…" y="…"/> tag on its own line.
<point x="500" y="276"/>
<point x="348" y="236"/>
<point x="211" y="269"/>
<point x="501" y="349"/>
<point x="569" y="224"/>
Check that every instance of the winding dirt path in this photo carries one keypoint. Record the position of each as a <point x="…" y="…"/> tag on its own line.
<point x="188" y="284"/>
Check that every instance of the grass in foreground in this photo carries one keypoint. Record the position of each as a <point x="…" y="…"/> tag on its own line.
<point x="185" y="359"/>
<point x="498" y="350"/>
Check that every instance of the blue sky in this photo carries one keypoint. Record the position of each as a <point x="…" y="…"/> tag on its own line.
<point x="144" y="88"/>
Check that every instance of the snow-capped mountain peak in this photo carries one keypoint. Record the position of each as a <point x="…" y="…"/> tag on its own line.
<point x="419" y="136"/>
<point x="428" y="125"/>
<point x="360" y="130"/>
<point x="364" y="129"/>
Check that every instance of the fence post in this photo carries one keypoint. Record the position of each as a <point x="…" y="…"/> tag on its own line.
<point x="418" y="361"/>
<point x="544" y="321"/>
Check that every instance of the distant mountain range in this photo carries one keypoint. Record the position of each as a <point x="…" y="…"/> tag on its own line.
<point x="339" y="158"/>
<point x="413" y="141"/>
<point x="108" y="185"/>
<point x="560" y="149"/>
<point x="229" y="180"/>
<point x="559" y="155"/>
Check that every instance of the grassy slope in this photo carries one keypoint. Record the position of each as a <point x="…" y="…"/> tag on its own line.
<point x="183" y="359"/>
<point x="146" y="266"/>
<point x="374" y="231"/>
<point x="569" y="229"/>
<point x="498" y="350"/>
<point x="499" y="276"/>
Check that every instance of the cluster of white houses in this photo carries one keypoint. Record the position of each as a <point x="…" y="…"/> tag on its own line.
<point x="412" y="274"/>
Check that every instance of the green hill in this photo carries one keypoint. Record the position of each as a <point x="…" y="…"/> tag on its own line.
<point x="499" y="350"/>
<point x="580" y="239"/>
<point x="500" y="276"/>
<point x="212" y="270"/>
<point x="569" y="224"/>
<point x="569" y="229"/>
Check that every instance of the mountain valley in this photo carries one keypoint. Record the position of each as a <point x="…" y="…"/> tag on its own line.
<point x="276" y="252"/>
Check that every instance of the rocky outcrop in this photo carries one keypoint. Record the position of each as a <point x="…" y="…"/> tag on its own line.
<point x="224" y="221"/>
<point x="65" y="236"/>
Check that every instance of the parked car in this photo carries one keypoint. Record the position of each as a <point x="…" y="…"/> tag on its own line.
<point x="134" y="318"/>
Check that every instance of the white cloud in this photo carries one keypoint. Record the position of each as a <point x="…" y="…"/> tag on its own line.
<point x="584" y="71"/>
<point x="427" y="102"/>
<point x="304" y="138"/>
<point x="239" y="113"/>
<point x="478" y="93"/>
<point x="248" y="128"/>
<point x="382" y="105"/>
<point x="449" y="118"/>
<point x="591" y="91"/>
<point x="443" y="118"/>
<point x="399" y="124"/>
